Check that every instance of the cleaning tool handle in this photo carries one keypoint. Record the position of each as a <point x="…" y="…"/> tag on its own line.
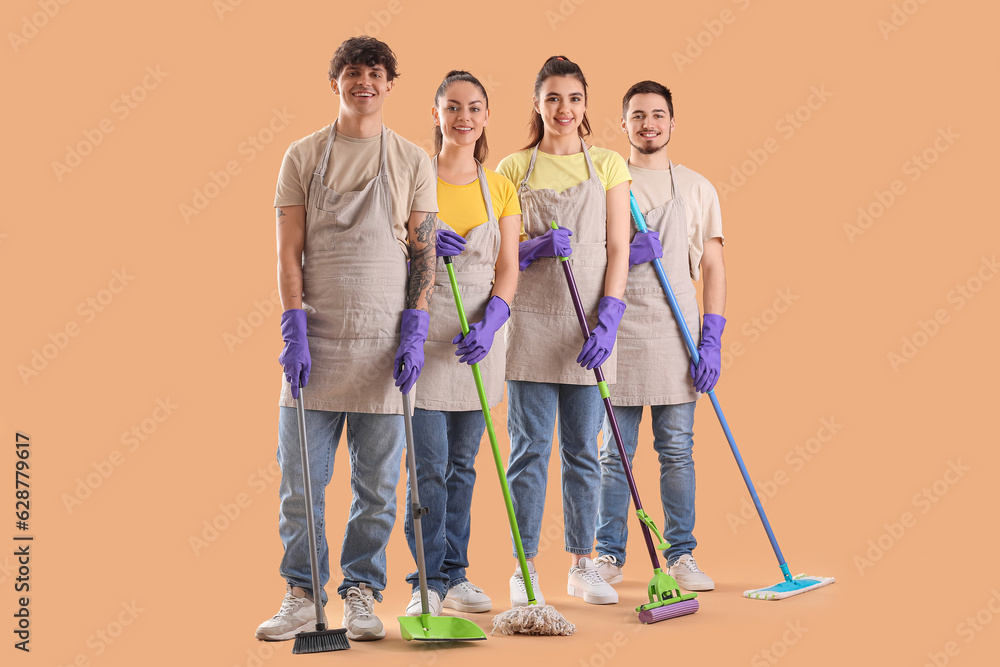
<point x="581" y="316"/>
<point x="640" y="223"/>
<point x="310" y="520"/>
<point x="485" y="405"/>
<point x="663" y="544"/>
<point x="415" y="509"/>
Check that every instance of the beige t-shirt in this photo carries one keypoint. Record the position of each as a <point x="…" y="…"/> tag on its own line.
<point x="651" y="188"/>
<point x="353" y="163"/>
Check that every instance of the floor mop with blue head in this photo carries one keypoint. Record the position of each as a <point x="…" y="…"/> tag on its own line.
<point x="665" y="598"/>
<point x="792" y="585"/>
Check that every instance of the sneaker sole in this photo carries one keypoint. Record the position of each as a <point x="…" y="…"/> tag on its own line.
<point x="589" y="597"/>
<point x="694" y="587"/>
<point x="365" y="636"/>
<point x="264" y="637"/>
<point x="478" y="608"/>
<point x="699" y="587"/>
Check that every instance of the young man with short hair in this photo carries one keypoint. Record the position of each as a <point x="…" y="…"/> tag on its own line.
<point x="354" y="201"/>
<point x="654" y="368"/>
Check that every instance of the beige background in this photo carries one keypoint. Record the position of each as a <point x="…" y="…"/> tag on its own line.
<point x="189" y="321"/>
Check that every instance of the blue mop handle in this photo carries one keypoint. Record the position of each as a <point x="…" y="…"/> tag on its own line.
<point x="640" y="223"/>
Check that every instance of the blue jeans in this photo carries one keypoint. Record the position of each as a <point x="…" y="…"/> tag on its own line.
<point x="673" y="427"/>
<point x="375" y="444"/>
<point x="445" y="445"/>
<point x="531" y="416"/>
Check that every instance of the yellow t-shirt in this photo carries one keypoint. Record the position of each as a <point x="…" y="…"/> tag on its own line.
<point x="353" y="163"/>
<point x="462" y="206"/>
<point x="651" y="188"/>
<point x="559" y="172"/>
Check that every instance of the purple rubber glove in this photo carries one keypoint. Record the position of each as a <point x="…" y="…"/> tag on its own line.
<point x="553" y="243"/>
<point x="644" y="248"/>
<point x="449" y="243"/>
<point x="598" y="347"/>
<point x="410" y="354"/>
<point x="295" y="357"/>
<point x="706" y="374"/>
<point x="475" y="345"/>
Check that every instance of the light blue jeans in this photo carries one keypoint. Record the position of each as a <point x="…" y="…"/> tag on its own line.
<point x="445" y="446"/>
<point x="673" y="427"/>
<point x="375" y="444"/>
<point x="531" y="416"/>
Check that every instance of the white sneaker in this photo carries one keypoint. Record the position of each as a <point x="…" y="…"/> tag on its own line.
<point x="586" y="582"/>
<point x="685" y="571"/>
<point x="609" y="569"/>
<point x="433" y="603"/>
<point x="468" y="597"/>
<point x="359" y="615"/>
<point x="518" y="593"/>
<point x="297" y="614"/>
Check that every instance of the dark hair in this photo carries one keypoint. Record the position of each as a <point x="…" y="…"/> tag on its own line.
<point x="363" y="50"/>
<point x="648" y="87"/>
<point x="481" y="150"/>
<point x="556" y="66"/>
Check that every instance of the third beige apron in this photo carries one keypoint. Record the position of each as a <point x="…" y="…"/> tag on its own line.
<point x="445" y="383"/>
<point x="354" y="277"/>
<point x="653" y="361"/>
<point x="544" y="337"/>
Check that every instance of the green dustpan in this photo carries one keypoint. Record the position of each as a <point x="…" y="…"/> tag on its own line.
<point x="425" y="627"/>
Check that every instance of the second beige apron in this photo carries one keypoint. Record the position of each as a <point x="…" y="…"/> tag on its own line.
<point x="445" y="383"/>
<point x="544" y="337"/>
<point x="653" y="361"/>
<point x="354" y="277"/>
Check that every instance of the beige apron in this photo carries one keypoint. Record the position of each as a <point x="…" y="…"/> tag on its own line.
<point x="654" y="366"/>
<point x="354" y="276"/>
<point x="544" y="337"/>
<point x="445" y="383"/>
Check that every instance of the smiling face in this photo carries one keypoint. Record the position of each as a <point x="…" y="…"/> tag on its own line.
<point x="561" y="102"/>
<point x="461" y="113"/>
<point x="648" y="123"/>
<point x="362" y="89"/>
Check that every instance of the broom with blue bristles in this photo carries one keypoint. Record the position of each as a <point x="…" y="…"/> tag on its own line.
<point x="792" y="585"/>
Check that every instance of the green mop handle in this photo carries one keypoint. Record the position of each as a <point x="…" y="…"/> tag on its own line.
<point x="477" y="374"/>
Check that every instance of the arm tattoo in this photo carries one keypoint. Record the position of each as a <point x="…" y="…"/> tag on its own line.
<point x="423" y="260"/>
<point x="281" y="214"/>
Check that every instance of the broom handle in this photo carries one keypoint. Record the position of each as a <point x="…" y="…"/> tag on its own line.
<point x="310" y="520"/>
<point x="603" y="386"/>
<point x="415" y="509"/>
<point x="640" y="223"/>
<point x="477" y="374"/>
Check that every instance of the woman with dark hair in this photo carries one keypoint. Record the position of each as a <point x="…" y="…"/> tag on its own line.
<point x="478" y="223"/>
<point x="585" y="191"/>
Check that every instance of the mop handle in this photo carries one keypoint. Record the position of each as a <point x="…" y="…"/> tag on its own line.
<point x="640" y="223"/>
<point x="310" y="520"/>
<point x="581" y="316"/>
<point x="477" y="374"/>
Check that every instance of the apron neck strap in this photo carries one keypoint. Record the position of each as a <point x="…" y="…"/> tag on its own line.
<point x="483" y="186"/>
<point x="323" y="163"/>
<point x="591" y="171"/>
